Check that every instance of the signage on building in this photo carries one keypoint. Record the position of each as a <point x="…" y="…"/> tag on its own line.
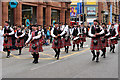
<point x="13" y="3"/>
<point x="110" y="13"/>
<point x="73" y="11"/>
<point x="79" y="8"/>
<point x="91" y="2"/>
<point x="91" y="11"/>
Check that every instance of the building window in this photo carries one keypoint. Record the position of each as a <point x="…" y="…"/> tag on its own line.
<point x="29" y="12"/>
<point x="55" y="15"/>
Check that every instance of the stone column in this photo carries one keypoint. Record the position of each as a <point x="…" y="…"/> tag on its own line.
<point x="18" y="14"/>
<point x="40" y="15"/>
<point x="4" y="12"/>
<point x="48" y="15"/>
<point x="0" y="13"/>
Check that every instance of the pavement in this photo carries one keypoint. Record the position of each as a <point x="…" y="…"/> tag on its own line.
<point x="75" y="64"/>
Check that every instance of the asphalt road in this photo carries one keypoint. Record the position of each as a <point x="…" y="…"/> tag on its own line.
<point x="76" y="64"/>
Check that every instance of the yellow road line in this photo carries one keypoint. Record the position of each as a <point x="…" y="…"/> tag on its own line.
<point x="73" y="53"/>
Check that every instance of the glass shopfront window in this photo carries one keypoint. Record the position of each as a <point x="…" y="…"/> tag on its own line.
<point x="29" y="12"/>
<point x="55" y="15"/>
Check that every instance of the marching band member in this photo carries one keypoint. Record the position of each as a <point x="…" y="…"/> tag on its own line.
<point x="20" y="39"/>
<point x="113" y="40"/>
<point x="35" y="47"/>
<point x="57" y="42"/>
<point x="8" y="32"/>
<point x="95" y="32"/>
<point x="66" y="38"/>
<point x="82" y="35"/>
<point x="104" y="39"/>
<point x="75" y="34"/>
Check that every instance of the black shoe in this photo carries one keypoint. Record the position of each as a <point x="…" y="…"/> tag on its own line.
<point x="58" y="57"/>
<point x="33" y="61"/>
<point x="93" y="58"/>
<point x="78" y="49"/>
<point x="7" y="56"/>
<point x="97" y="59"/>
<point x="55" y="55"/>
<point x="73" y="50"/>
<point x="19" y="54"/>
<point x="102" y="55"/>
<point x="67" y="51"/>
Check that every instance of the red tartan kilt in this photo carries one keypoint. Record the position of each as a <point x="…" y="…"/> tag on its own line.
<point x="39" y="46"/>
<point x="9" y="43"/>
<point x="21" y="44"/>
<point x="68" y="43"/>
<point x="77" y="41"/>
<point x="83" y="39"/>
<point x="99" y="46"/>
<point x="106" y="42"/>
<point x="40" y="41"/>
<point x="60" y="44"/>
<point x="113" y="42"/>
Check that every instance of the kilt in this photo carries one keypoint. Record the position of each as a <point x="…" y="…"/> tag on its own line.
<point x="106" y="43"/>
<point x="60" y="44"/>
<point x="39" y="46"/>
<point x="113" y="42"/>
<point x="99" y="46"/>
<point x="21" y="44"/>
<point x="9" y="43"/>
<point x="77" y="41"/>
<point x="68" y="43"/>
<point x="83" y="38"/>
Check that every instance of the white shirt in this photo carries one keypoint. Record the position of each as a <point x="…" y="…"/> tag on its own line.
<point x="35" y="37"/>
<point x="10" y="29"/>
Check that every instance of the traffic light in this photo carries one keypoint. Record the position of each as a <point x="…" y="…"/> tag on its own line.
<point x="83" y="17"/>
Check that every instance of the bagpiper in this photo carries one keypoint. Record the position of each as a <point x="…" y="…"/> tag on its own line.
<point x="66" y="38"/>
<point x="20" y="39"/>
<point x="75" y="34"/>
<point x="113" y="39"/>
<point x="104" y="39"/>
<point x="82" y="35"/>
<point x="57" y="42"/>
<point x="8" y="32"/>
<point x="35" y="47"/>
<point x="95" y="33"/>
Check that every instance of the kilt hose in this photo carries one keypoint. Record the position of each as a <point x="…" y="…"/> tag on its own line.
<point x="60" y="44"/>
<point x="37" y="44"/>
<point x="99" y="46"/>
<point x="20" y="44"/>
<point x="8" y="45"/>
<point x="68" y="43"/>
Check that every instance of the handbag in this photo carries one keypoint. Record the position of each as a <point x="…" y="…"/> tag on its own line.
<point x="6" y="40"/>
<point x="103" y="40"/>
<point x="95" y="42"/>
<point x="66" y="39"/>
<point x="18" y="40"/>
<point x="56" y="42"/>
<point x="34" y="46"/>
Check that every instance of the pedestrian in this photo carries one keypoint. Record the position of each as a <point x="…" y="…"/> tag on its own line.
<point x="19" y="39"/>
<point x="75" y="34"/>
<point x="113" y="39"/>
<point x="48" y="35"/>
<point x="57" y="42"/>
<point x="8" y="32"/>
<point x="1" y="39"/>
<point x="104" y="39"/>
<point x="33" y="40"/>
<point x="95" y="33"/>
